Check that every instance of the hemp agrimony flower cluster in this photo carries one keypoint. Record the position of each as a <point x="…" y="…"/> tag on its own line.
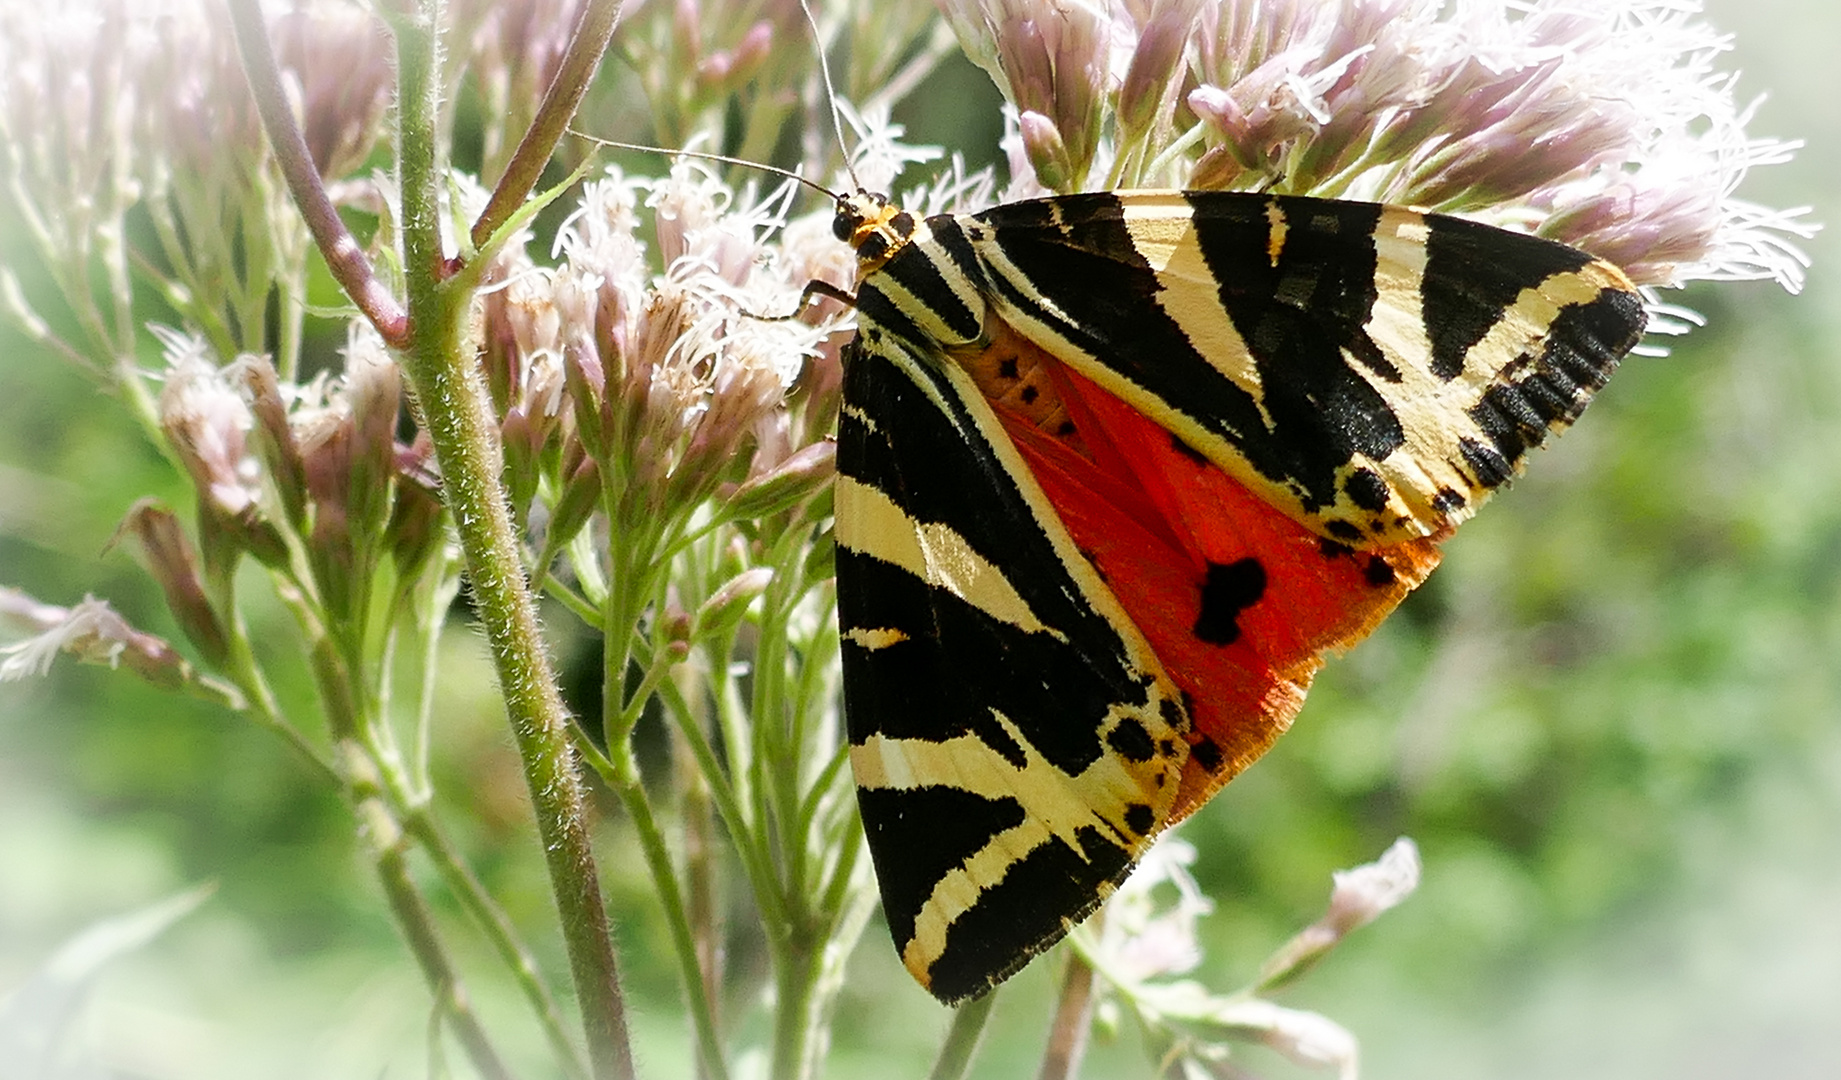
<point x="602" y="416"/>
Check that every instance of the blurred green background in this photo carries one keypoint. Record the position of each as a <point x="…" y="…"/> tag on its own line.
<point x="1612" y="721"/>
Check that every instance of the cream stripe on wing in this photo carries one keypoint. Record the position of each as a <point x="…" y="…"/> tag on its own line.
<point x="1055" y="806"/>
<point x="870" y="523"/>
<point x="1165" y="236"/>
<point x="960" y="889"/>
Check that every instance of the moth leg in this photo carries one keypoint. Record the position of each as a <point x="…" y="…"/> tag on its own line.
<point x="813" y="288"/>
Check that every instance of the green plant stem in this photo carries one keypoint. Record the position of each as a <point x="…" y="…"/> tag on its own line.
<point x="499" y="930"/>
<point x="241" y="669"/>
<point x="800" y="961"/>
<point x="626" y="783"/>
<point x="962" y="1038"/>
<point x="456" y="409"/>
<point x="633" y="583"/>
<point x="778" y="734"/>
<point x="756" y="861"/>
<point x="418" y="925"/>
<point x="700" y="890"/>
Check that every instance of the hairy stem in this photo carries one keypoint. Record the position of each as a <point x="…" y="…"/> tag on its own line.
<point x="456" y="408"/>
<point x="498" y="928"/>
<point x="625" y="781"/>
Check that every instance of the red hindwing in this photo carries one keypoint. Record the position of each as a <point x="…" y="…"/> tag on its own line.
<point x="1238" y="601"/>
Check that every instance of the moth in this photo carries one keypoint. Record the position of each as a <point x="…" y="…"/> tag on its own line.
<point x="1114" y="471"/>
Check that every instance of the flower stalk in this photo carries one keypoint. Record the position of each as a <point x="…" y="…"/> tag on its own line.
<point x="464" y="436"/>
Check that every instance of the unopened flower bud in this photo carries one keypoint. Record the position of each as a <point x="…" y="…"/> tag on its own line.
<point x="726" y="605"/>
<point x="374" y="385"/>
<point x="274" y="436"/>
<point x="414" y="531"/>
<point x="677" y="625"/>
<point x="1048" y="155"/>
<point x="332" y="547"/>
<point x="583" y="376"/>
<point x="581" y="495"/>
<point x="340" y="55"/>
<point x="785" y="485"/>
<point x="171" y="561"/>
<point x="751" y="52"/>
<point x="1155" y="64"/>
<point x="1216" y="170"/>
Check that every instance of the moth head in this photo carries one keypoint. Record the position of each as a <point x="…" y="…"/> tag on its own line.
<point x="873" y="226"/>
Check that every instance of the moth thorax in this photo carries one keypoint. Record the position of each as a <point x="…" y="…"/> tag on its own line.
<point x="1018" y="377"/>
<point x="873" y="226"/>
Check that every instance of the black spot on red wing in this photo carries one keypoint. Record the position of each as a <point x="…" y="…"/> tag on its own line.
<point x="1139" y="818"/>
<point x="1366" y="489"/>
<point x="1132" y="741"/>
<point x="1206" y="753"/>
<point x="1029" y="395"/>
<point x="1065" y="428"/>
<point x="1447" y="501"/>
<point x="1007" y="367"/>
<point x="1345" y="530"/>
<point x="1188" y="451"/>
<point x="1228" y="589"/>
<point x="1378" y="572"/>
<point x="1330" y="549"/>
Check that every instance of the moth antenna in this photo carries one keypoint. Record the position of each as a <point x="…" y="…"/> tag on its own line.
<point x="824" y="71"/>
<point x="703" y="155"/>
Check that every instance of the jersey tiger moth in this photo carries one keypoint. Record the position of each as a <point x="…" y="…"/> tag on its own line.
<point x="1115" y="469"/>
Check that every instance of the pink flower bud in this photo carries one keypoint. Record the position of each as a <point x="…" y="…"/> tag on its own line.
<point x="1048" y="155"/>
<point x="728" y="604"/>
<point x="173" y="565"/>
<point x="788" y="484"/>
<point x="275" y="437"/>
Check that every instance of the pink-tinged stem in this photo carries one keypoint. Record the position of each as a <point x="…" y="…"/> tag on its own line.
<point x="343" y="256"/>
<point x="592" y="33"/>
